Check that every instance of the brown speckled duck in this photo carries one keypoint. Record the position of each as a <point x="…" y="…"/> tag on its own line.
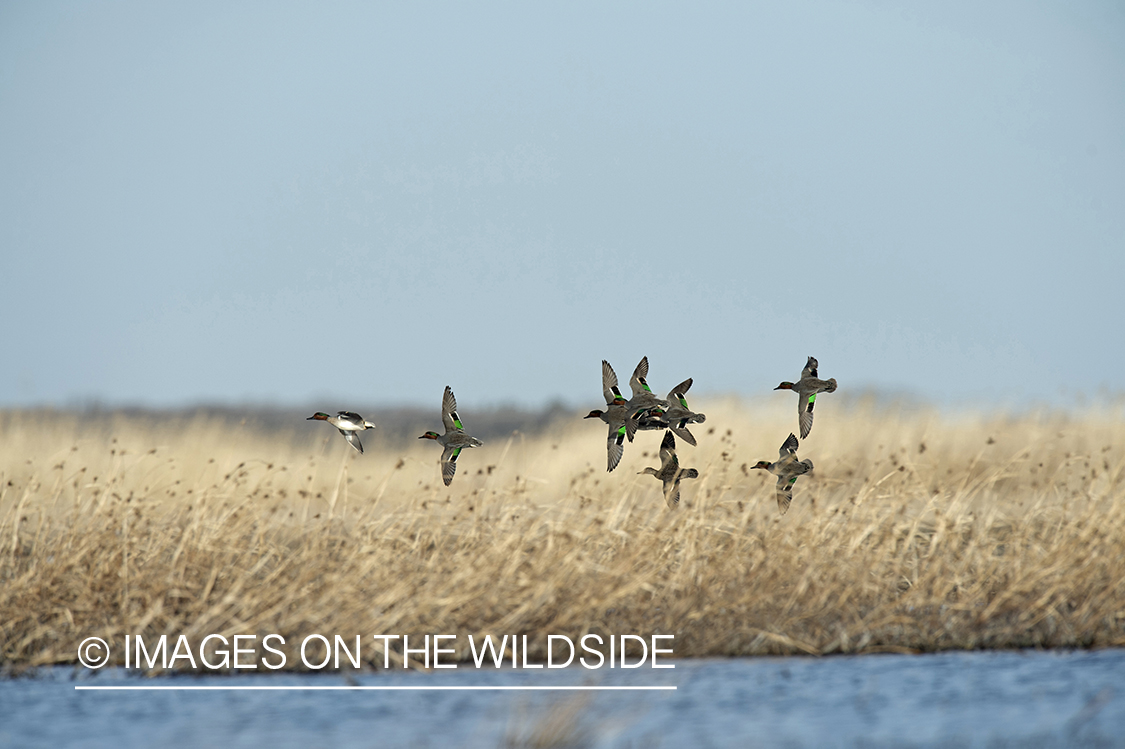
<point x="787" y="468"/>
<point x="670" y="472"/>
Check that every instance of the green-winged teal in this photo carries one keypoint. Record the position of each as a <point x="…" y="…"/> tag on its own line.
<point x="615" y="415"/>
<point x="807" y="388"/>
<point x="679" y="415"/>
<point x="787" y="469"/>
<point x="454" y="440"/>
<point x="620" y="426"/>
<point x="670" y="472"/>
<point x="348" y="423"/>
<point x="643" y="398"/>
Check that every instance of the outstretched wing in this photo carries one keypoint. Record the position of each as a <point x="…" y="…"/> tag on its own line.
<point x="615" y="447"/>
<point x="609" y="384"/>
<point x="668" y="451"/>
<point x="810" y="368"/>
<point x="632" y="423"/>
<point x="785" y="493"/>
<point x="683" y="433"/>
<point x="637" y="383"/>
<point x="449" y="463"/>
<point x="677" y="394"/>
<point x="672" y="493"/>
<point x="353" y="439"/>
<point x="804" y="413"/>
<point x="449" y="415"/>
<point x="789" y="446"/>
<point x="351" y="416"/>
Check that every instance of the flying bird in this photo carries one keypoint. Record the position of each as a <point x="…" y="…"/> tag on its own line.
<point x="787" y="468"/>
<point x="454" y="440"/>
<point x="615" y="415"/>
<point x="349" y="424"/>
<point x="679" y="415"/>
<point x="643" y="398"/>
<point x="670" y="472"/>
<point x="807" y="388"/>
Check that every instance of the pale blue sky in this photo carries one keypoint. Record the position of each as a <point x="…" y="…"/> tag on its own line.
<point x="361" y="203"/>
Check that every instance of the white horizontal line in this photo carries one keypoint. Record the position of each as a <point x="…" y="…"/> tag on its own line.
<point x="369" y="689"/>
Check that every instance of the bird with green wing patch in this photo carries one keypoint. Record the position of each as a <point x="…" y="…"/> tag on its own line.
<point x="806" y="389"/>
<point x="454" y="440"/>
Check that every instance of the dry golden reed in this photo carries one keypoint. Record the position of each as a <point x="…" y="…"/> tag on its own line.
<point x="917" y="531"/>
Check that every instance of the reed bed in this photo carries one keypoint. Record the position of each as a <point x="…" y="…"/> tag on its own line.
<point x="917" y="531"/>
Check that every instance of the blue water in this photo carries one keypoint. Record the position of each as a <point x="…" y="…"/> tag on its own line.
<point x="980" y="699"/>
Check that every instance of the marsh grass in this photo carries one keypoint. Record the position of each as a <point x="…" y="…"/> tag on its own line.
<point x="916" y="532"/>
<point x="559" y="725"/>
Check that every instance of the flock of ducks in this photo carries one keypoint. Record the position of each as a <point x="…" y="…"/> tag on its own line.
<point x="624" y="418"/>
<point x="646" y="411"/>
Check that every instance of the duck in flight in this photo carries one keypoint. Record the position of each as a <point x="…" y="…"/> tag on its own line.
<point x="616" y="417"/>
<point x="670" y="472"/>
<point x="643" y="398"/>
<point x="454" y="440"/>
<point x="679" y="415"/>
<point x="349" y="423"/>
<point x="787" y="468"/>
<point x="806" y="388"/>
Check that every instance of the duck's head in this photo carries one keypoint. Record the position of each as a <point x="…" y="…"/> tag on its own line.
<point x="784" y="386"/>
<point x="763" y="464"/>
<point x="619" y="400"/>
<point x="429" y="436"/>
<point x="595" y="414"/>
<point x="318" y="416"/>
<point x="647" y="472"/>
